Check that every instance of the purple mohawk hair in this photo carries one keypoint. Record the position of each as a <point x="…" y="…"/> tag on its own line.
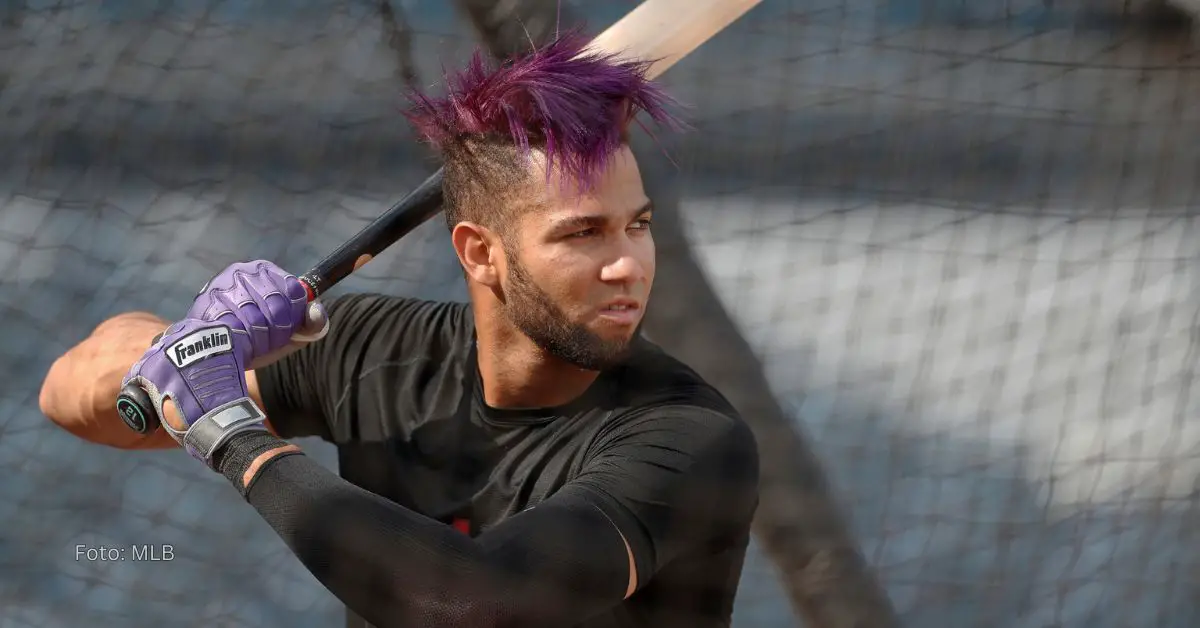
<point x="576" y="104"/>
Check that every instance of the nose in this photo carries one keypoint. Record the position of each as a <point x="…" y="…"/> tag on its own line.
<point x="625" y="269"/>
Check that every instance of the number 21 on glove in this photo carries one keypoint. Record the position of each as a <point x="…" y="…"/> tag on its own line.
<point x="200" y="367"/>
<point x="248" y="315"/>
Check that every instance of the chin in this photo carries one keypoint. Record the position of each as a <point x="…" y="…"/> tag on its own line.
<point x="614" y="333"/>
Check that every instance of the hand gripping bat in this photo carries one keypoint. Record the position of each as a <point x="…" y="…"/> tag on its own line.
<point x="664" y="31"/>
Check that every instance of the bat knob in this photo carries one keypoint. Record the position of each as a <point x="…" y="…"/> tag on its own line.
<point x="137" y="410"/>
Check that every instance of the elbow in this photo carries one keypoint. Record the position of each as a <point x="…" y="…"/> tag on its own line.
<point x="65" y="392"/>
<point x="55" y="397"/>
<point x="72" y="385"/>
<point x="72" y="397"/>
<point x="502" y="610"/>
<point x="451" y="608"/>
<point x="79" y="391"/>
<point x="478" y="613"/>
<point x="455" y="614"/>
<point x="49" y="395"/>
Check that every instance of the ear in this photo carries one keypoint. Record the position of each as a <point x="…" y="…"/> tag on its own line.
<point x="479" y="252"/>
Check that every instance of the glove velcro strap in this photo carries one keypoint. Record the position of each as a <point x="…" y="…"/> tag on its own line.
<point x="219" y="424"/>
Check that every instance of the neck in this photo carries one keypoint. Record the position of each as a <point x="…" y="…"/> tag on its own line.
<point x="516" y="373"/>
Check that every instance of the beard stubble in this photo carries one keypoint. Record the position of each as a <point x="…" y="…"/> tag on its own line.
<point x="535" y="314"/>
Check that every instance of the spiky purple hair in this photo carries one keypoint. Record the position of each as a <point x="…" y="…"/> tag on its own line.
<point x="576" y="105"/>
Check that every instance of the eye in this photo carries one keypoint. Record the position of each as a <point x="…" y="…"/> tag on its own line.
<point x="642" y="224"/>
<point x="583" y="234"/>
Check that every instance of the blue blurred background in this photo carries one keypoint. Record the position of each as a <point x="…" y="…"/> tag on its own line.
<point x="962" y="239"/>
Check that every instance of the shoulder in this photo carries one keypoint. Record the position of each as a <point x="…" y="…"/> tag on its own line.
<point x="381" y="307"/>
<point x="652" y="380"/>
<point x="395" y="322"/>
<point x="661" y="401"/>
<point x="675" y="450"/>
<point x="371" y="370"/>
<point x="682" y="436"/>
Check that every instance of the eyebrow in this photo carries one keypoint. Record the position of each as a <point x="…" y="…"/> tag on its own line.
<point x="596" y="220"/>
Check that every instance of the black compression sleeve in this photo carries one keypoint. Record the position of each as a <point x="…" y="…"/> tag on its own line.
<point x="233" y="462"/>
<point x="553" y="565"/>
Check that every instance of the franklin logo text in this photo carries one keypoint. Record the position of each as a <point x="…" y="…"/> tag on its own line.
<point x="200" y="344"/>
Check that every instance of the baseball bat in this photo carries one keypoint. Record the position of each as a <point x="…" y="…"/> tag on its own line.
<point x="659" y="31"/>
<point x="663" y="31"/>
<point x="398" y="221"/>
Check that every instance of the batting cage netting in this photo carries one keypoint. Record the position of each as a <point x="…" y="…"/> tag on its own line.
<point x="961" y="237"/>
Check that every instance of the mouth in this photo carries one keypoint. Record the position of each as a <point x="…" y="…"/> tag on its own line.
<point x="621" y="311"/>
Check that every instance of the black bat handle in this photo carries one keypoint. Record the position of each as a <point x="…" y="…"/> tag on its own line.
<point x="136" y="409"/>
<point x="133" y="403"/>
<point x="400" y="219"/>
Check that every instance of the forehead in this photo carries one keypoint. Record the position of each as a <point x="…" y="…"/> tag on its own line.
<point x="617" y="192"/>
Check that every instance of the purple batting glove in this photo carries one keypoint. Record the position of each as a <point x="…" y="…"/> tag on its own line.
<point x="268" y="303"/>
<point x="201" y="367"/>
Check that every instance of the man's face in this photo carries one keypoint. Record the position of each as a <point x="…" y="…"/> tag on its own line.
<point x="580" y="267"/>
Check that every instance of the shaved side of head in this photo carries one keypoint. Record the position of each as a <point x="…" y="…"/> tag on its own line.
<point x="571" y="106"/>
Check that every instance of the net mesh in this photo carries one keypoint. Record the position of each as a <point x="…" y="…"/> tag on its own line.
<point x="962" y="238"/>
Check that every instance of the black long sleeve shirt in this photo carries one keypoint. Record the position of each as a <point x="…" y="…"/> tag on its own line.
<point x="651" y="461"/>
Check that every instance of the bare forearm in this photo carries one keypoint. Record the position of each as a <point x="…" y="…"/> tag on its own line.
<point x="80" y="390"/>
